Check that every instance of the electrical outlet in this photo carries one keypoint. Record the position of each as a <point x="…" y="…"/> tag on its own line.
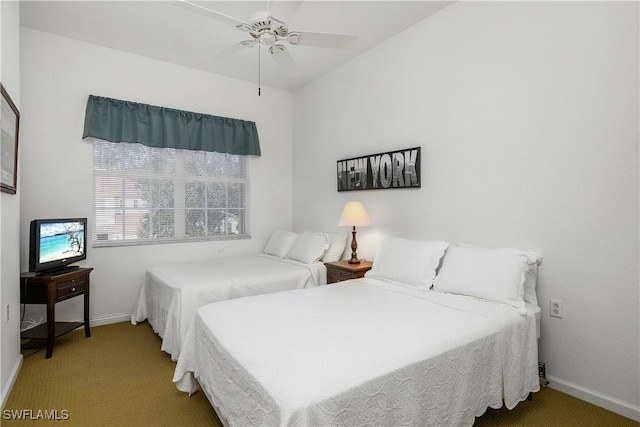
<point x="555" y="308"/>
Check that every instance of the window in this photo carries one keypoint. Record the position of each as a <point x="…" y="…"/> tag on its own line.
<point x="149" y="195"/>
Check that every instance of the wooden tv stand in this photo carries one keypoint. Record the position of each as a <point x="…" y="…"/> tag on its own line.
<point x="49" y="289"/>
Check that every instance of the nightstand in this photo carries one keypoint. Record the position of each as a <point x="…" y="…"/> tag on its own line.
<point x="342" y="270"/>
<point x="50" y="289"/>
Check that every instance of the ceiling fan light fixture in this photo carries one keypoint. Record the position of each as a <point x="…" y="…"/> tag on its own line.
<point x="268" y="38"/>
<point x="293" y="37"/>
<point x="276" y="48"/>
<point x="266" y="30"/>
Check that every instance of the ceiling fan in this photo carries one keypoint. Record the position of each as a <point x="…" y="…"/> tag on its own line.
<point x="273" y="33"/>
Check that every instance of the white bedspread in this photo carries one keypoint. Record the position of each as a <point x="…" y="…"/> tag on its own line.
<point x="361" y="352"/>
<point x="172" y="293"/>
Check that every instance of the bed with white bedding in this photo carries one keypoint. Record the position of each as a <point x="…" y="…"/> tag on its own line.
<point x="171" y="293"/>
<point x="384" y="350"/>
<point x="363" y="352"/>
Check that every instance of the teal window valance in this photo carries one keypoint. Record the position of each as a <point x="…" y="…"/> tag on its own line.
<point x="124" y="121"/>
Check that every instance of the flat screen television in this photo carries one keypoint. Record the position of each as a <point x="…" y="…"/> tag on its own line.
<point x="55" y="244"/>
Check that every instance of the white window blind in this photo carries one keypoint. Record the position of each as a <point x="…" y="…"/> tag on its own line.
<point x="150" y="195"/>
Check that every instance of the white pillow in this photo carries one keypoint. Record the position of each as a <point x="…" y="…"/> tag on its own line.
<point x="534" y="258"/>
<point x="413" y="262"/>
<point x="336" y="247"/>
<point x="530" y="283"/>
<point x="280" y="243"/>
<point x="491" y="274"/>
<point x="309" y="247"/>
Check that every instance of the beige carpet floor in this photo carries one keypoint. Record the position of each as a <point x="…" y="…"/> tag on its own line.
<point x="120" y="377"/>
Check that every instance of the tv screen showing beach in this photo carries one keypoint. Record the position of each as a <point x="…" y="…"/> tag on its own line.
<point x="61" y="240"/>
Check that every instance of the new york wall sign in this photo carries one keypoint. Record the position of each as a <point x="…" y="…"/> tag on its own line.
<point x="394" y="169"/>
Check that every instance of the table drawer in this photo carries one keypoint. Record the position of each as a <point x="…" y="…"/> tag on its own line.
<point x="338" y="275"/>
<point x="71" y="288"/>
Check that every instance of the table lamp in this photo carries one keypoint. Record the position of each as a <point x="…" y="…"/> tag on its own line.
<point x="354" y="215"/>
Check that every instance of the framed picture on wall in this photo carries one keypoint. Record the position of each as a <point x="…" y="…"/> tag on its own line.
<point x="380" y="171"/>
<point x="10" y="124"/>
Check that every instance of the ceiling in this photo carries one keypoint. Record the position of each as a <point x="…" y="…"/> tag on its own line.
<point x="164" y="31"/>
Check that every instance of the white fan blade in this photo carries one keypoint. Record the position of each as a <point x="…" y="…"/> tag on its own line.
<point x="335" y="41"/>
<point x="225" y="53"/>
<point x="193" y="7"/>
<point x="283" y="58"/>
<point x="283" y="10"/>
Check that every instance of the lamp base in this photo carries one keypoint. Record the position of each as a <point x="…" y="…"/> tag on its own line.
<point x="354" y="246"/>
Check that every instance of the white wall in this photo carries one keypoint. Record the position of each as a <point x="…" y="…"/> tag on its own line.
<point x="10" y="358"/>
<point x="58" y="75"/>
<point x="527" y="115"/>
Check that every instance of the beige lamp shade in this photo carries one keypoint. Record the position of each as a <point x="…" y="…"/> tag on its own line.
<point x="354" y="214"/>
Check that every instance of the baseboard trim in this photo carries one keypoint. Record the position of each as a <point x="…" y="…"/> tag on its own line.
<point x="602" y="400"/>
<point x="107" y="320"/>
<point x="12" y="380"/>
<point x="104" y="320"/>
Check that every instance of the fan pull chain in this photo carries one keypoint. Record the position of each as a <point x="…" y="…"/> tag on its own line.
<point x="259" y="49"/>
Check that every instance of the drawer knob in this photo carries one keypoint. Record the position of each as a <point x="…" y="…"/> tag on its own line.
<point x="73" y="289"/>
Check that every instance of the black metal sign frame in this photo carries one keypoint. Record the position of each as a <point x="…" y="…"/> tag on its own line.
<point x="381" y="171"/>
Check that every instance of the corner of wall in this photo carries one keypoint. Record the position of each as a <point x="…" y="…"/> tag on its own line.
<point x="10" y="357"/>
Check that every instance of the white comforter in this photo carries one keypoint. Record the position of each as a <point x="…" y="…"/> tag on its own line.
<point x="362" y="352"/>
<point x="172" y="293"/>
